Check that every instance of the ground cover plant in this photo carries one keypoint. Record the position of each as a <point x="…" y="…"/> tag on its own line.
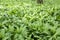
<point x="27" y="20"/>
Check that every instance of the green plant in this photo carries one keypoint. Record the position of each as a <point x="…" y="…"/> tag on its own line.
<point x="27" y="20"/>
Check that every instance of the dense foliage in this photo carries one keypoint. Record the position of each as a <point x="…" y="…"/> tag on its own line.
<point x="27" y="20"/>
